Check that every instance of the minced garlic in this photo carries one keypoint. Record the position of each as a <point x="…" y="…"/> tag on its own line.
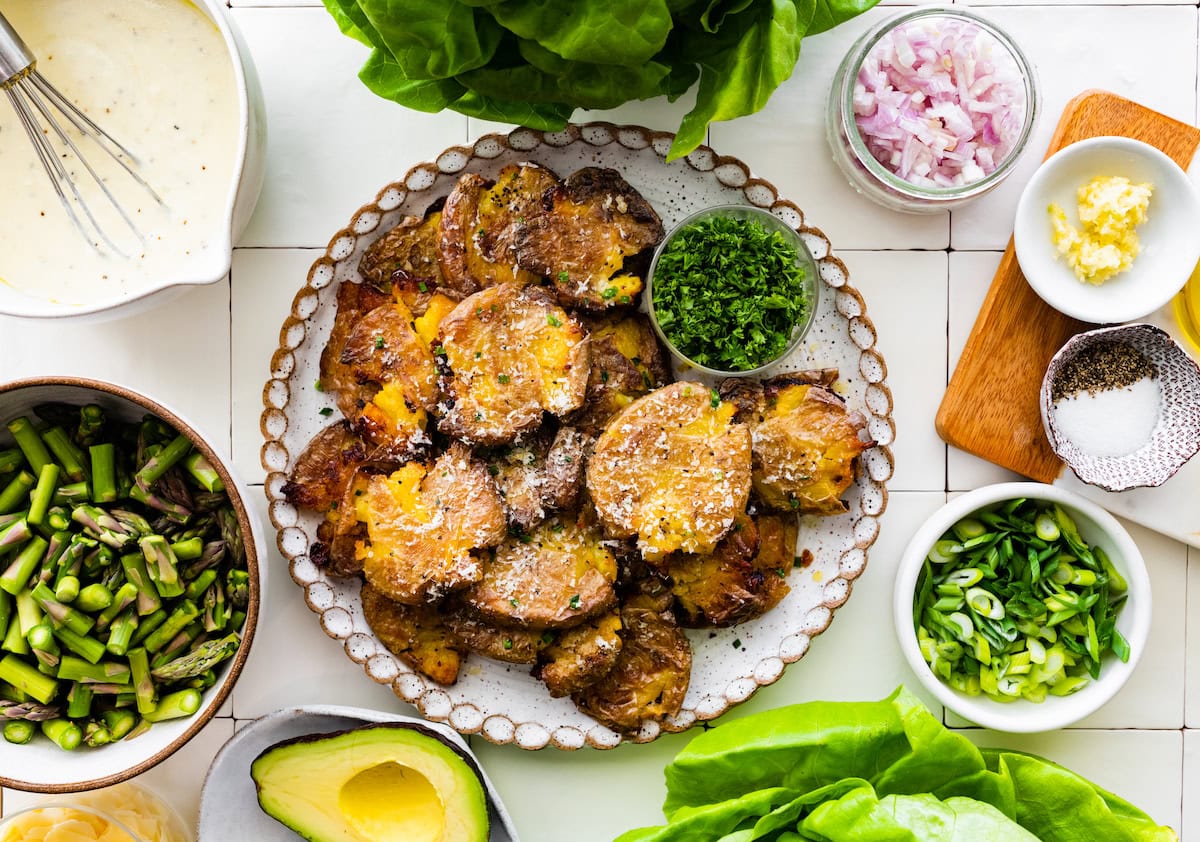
<point x="1110" y="209"/>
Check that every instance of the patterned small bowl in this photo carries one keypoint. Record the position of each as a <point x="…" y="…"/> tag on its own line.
<point x="1169" y="441"/>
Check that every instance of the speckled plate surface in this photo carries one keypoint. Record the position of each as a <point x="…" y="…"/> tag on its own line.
<point x="502" y="702"/>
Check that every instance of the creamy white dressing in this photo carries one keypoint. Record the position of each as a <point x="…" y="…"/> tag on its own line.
<point x="157" y="76"/>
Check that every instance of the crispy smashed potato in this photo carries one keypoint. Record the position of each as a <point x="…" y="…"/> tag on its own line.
<point x="651" y="675"/>
<point x="743" y="578"/>
<point x="324" y="468"/>
<point x="384" y="349"/>
<point x="589" y="227"/>
<point x="484" y="637"/>
<point x="353" y="302"/>
<point x="415" y="634"/>
<point x="627" y="361"/>
<point x="410" y="248"/>
<point x="673" y="469"/>
<point x="540" y="476"/>
<point x="508" y="355"/>
<point x="805" y="441"/>
<point x="556" y="576"/>
<point x="581" y="656"/>
<point x="477" y="237"/>
<point x="426" y="523"/>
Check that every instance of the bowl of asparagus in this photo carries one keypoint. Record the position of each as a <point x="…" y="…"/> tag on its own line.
<point x="129" y="583"/>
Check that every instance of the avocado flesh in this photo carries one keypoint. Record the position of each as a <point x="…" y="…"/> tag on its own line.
<point x="380" y="783"/>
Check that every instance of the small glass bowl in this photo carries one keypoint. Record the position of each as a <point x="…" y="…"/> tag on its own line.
<point x="804" y="259"/>
<point x="104" y="805"/>
<point x="871" y="178"/>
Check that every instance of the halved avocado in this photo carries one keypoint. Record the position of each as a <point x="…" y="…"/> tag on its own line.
<point x="378" y="783"/>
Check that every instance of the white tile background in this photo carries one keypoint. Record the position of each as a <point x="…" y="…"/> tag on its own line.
<point x="332" y="145"/>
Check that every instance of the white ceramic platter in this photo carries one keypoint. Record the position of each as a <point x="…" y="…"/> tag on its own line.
<point x="501" y="702"/>
<point x="229" y="802"/>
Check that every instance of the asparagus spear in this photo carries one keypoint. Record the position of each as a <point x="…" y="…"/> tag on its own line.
<point x="148" y="600"/>
<point x="91" y="421"/>
<point x="61" y="614"/>
<point x="180" y="618"/>
<point x="102" y="526"/>
<point x="118" y="722"/>
<point x="71" y="494"/>
<point x="66" y="589"/>
<point x="97" y="734"/>
<point x="188" y="550"/>
<point x="122" y="632"/>
<point x="161" y="565"/>
<point x="30" y="711"/>
<point x="105" y="672"/>
<point x="146" y="625"/>
<point x="237" y="585"/>
<point x="197" y="587"/>
<point x="44" y="647"/>
<point x="174" y="705"/>
<point x="161" y="462"/>
<point x="10" y="459"/>
<point x="19" y="731"/>
<point x="86" y="647"/>
<point x="143" y="685"/>
<point x="200" y="660"/>
<point x="79" y="700"/>
<point x="43" y="493"/>
<point x="63" y="732"/>
<point x="122" y="599"/>
<point x="29" y="442"/>
<point x="15" y="533"/>
<point x="17" y="575"/>
<point x="231" y="532"/>
<point x="203" y="472"/>
<point x="67" y="454"/>
<point x="104" y="472"/>
<point x="16" y="492"/>
<point x="27" y="679"/>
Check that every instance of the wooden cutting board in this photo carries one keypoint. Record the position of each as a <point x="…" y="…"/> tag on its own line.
<point x="991" y="405"/>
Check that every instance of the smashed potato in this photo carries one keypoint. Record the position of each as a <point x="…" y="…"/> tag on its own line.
<point x="477" y="237"/>
<point x="508" y="355"/>
<point x="582" y="240"/>
<point x="353" y="302"/>
<point x="426" y="523"/>
<point x="805" y="441"/>
<point x="540" y="476"/>
<point x="415" y="634"/>
<point x="743" y="578"/>
<point x="581" y="656"/>
<point x="627" y="361"/>
<point x="672" y="469"/>
<point x="410" y="248"/>
<point x="556" y="576"/>
<point x="651" y="675"/>
<point x="483" y="637"/>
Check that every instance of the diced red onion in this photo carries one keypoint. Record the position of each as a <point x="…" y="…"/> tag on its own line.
<point x="940" y="102"/>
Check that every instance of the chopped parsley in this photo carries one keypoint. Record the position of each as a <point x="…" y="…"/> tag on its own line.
<point x="553" y="320"/>
<point x="564" y="276"/>
<point x="378" y="341"/>
<point x="574" y="603"/>
<point x="422" y="286"/>
<point x="493" y="470"/>
<point x="318" y="386"/>
<point x="326" y="411"/>
<point x="508" y="643"/>
<point x="603" y="375"/>
<point x="728" y="292"/>
<point x="794" y="502"/>
<point x="514" y="602"/>
<point x="503" y="378"/>
<point x="547" y="637"/>
<point x="737" y="643"/>
<point x="439" y="350"/>
<point x="611" y="292"/>
<point x="714" y="398"/>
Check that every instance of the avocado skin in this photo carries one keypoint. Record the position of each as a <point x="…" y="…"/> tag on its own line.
<point x="316" y="758"/>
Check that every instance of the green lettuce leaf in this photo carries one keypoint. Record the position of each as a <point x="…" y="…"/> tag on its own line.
<point x="830" y="13"/>
<point x="433" y="39"/>
<point x="625" y="32"/>
<point x="384" y="77"/>
<point x="353" y="22"/>
<point x="711" y="821"/>
<point x="861" y="816"/>
<point x="739" y="79"/>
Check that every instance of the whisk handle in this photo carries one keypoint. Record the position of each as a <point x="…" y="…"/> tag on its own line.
<point x="15" y="55"/>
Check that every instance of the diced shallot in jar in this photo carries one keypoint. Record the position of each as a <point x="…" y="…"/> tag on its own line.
<point x="940" y="102"/>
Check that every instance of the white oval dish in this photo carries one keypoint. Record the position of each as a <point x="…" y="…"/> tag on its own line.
<point x="229" y="801"/>
<point x="1021" y="716"/>
<point x="1170" y="247"/>
<point x="41" y="766"/>
<point x="243" y="192"/>
<point x="500" y="701"/>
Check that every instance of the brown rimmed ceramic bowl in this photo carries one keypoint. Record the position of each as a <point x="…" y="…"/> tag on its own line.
<point x="41" y="766"/>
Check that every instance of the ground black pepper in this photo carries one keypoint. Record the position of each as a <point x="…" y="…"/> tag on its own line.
<point x="1100" y="368"/>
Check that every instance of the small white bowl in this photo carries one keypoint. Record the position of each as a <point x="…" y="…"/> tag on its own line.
<point x="1170" y="247"/>
<point x="1172" y="440"/>
<point x="1021" y="716"/>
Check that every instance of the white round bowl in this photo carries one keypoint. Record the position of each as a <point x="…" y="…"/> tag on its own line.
<point x="1021" y="716"/>
<point x="248" y="171"/>
<point x="1170" y="247"/>
<point x="40" y="765"/>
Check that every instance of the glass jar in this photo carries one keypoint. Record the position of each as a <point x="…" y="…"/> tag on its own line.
<point x="126" y="812"/>
<point x="870" y="177"/>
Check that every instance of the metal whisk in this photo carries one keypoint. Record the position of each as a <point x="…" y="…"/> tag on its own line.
<point x="39" y="105"/>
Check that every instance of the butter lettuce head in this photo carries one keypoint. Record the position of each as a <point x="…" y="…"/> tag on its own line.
<point x="884" y="771"/>
<point x="533" y="62"/>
